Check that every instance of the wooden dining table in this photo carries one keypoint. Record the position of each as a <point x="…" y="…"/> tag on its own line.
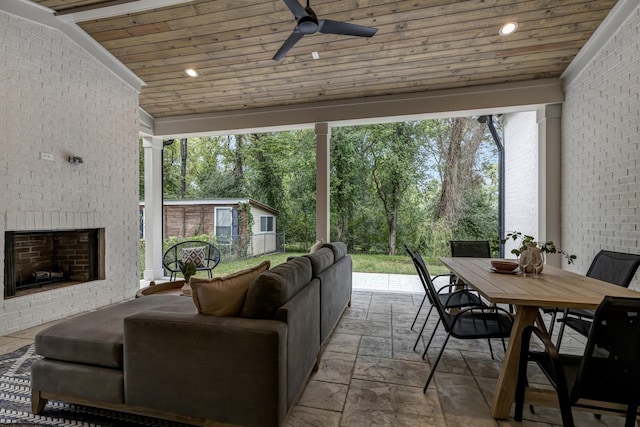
<point x="555" y="287"/>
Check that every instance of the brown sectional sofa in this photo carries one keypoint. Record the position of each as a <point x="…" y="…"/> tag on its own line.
<point x="156" y="356"/>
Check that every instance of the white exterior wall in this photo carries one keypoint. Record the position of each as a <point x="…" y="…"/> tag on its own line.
<point x="601" y="152"/>
<point x="262" y="242"/>
<point x="521" y="175"/>
<point x="56" y="98"/>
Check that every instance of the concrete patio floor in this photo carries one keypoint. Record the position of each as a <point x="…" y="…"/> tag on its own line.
<point x="369" y="374"/>
<point x="379" y="282"/>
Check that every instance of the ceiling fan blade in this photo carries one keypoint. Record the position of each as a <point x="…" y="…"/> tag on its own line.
<point x="288" y="44"/>
<point x="296" y="8"/>
<point x="327" y="26"/>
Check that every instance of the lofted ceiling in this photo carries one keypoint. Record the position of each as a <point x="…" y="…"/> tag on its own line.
<point x="421" y="45"/>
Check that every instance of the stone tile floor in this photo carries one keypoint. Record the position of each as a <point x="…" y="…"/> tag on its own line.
<point x="369" y="374"/>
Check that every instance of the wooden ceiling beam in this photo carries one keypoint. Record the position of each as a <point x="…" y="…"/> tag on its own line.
<point x="111" y="8"/>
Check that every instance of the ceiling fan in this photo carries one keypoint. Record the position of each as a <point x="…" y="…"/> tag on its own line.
<point x="307" y="23"/>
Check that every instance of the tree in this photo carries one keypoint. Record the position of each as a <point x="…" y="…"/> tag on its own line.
<point x="420" y="183"/>
<point x="347" y="164"/>
<point x="218" y="170"/>
<point x="183" y="167"/>
<point x="238" y="170"/>
<point x="393" y="149"/>
<point x="171" y="171"/>
<point x="298" y="210"/>
<point x="266" y="185"/>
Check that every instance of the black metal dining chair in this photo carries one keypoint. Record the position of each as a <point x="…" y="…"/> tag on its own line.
<point x="426" y="294"/>
<point x="449" y="295"/>
<point x="613" y="267"/>
<point x="607" y="372"/>
<point x="469" y="248"/>
<point x="456" y="301"/>
<point x="475" y="322"/>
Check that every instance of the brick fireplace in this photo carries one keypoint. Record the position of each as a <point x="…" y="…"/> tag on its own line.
<point x="86" y="111"/>
<point x="43" y="260"/>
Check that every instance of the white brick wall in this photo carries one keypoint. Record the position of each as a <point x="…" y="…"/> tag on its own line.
<point x="521" y="174"/>
<point x="56" y="98"/>
<point x="601" y="152"/>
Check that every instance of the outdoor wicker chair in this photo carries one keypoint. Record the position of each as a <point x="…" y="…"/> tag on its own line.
<point x="203" y="255"/>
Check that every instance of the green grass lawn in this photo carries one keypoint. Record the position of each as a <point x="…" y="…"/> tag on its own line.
<point x="362" y="263"/>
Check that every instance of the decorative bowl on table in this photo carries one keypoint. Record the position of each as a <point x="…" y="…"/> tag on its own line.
<point x="502" y="266"/>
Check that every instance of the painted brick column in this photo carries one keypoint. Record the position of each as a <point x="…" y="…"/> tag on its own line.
<point x="152" y="208"/>
<point x="323" y="187"/>
<point x="549" y="176"/>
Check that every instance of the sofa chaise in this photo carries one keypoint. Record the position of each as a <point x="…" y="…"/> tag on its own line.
<point x="157" y="356"/>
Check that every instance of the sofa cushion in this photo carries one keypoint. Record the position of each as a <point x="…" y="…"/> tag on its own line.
<point x="93" y="383"/>
<point x="224" y="295"/>
<point x="320" y="260"/>
<point x="96" y="338"/>
<point x="275" y="287"/>
<point x="339" y="249"/>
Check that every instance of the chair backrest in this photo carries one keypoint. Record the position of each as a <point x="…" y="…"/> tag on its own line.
<point x="610" y="369"/>
<point x="424" y="285"/>
<point x="421" y="267"/>
<point x="470" y="248"/>
<point x="614" y="267"/>
<point x="208" y="256"/>
<point x="409" y="251"/>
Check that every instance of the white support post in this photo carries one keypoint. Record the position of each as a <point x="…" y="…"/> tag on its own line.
<point x="323" y="187"/>
<point x="153" y="208"/>
<point x="549" y="177"/>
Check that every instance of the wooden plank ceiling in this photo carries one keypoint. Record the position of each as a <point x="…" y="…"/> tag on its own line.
<point x="421" y="45"/>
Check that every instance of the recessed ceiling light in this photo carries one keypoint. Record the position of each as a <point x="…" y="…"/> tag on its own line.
<point x="508" y="28"/>
<point x="191" y="72"/>
<point x="315" y="55"/>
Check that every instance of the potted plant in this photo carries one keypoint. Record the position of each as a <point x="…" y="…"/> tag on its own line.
<point x="187" y="269"/>
<point x="530" y="252"/>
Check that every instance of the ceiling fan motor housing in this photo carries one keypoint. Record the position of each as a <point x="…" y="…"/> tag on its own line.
<point x="308" y="24"/>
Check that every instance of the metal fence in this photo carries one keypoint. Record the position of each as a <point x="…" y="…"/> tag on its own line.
<point x="252" y="245"/>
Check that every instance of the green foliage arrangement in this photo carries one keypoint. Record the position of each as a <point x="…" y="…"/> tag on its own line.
<point x="187" y="269"/>
<point x="547" y="247"/>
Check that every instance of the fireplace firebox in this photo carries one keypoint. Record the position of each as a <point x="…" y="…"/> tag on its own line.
<point x="41" y="260"/>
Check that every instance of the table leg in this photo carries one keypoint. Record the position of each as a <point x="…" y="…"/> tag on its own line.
<point x="505" y="391"/>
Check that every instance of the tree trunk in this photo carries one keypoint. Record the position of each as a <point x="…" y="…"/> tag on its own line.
<point x="340" y="227"/>
<point x="393" y="231"/>
<point x="450" y="185"/>
<point x="238" y="166"/>
<point x="183" y="168"/>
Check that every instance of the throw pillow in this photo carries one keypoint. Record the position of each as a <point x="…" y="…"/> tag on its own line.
<point x="224" y="296"/>
<point x="317" y="245"/>
<point x="193" y="255"/>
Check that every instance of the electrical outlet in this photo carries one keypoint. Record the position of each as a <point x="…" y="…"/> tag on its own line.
<point x="46" y="156"/>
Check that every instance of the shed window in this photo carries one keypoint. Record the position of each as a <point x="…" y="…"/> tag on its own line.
<point x="266" y="224"/>
<point x="223" y="224"/>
